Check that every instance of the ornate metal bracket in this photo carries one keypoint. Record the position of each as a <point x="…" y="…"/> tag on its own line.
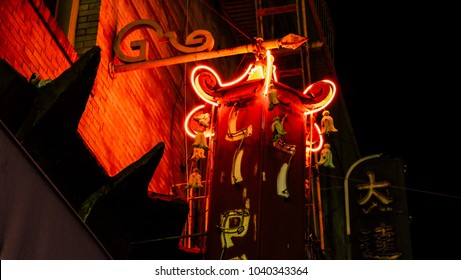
<point x="197" y="41"/>
<point x="198" y="45"/>
<point x="201" y="39"/>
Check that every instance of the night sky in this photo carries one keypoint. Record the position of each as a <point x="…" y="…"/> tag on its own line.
<point x="396" y="68"/>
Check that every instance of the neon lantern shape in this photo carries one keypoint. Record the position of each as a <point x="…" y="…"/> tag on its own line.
<point x="204" y="80"/>
<point x="314" y="98"/>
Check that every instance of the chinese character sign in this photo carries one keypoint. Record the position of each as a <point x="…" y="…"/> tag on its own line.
<point x="378" y="211"/>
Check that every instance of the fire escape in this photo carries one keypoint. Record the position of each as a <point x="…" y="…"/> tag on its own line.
<point x="296" y="68"/>
<point x="275" y="19"/>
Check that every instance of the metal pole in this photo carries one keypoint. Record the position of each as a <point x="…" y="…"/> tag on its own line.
<point x="320" y="212"/>
<point x="290" y="41"/>
<point x="198" y="56"/>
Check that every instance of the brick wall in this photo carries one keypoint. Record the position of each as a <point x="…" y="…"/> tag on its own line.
<point x="87" y="25"/>
<point x="31" y="40"/>
<point x="130" y="113"/>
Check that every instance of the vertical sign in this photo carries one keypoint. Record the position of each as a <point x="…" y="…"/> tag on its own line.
<point x="379" y="219"/>
<point x="257" y="200"/>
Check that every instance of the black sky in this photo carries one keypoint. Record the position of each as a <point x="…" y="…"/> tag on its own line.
<point x="397" y="66"/>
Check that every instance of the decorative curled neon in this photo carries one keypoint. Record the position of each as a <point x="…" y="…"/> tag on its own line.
<point x="186" y="123"/>
<point x="201" y="70"/>
<point x="320" y="144"/>
<point x="313" y="108"/>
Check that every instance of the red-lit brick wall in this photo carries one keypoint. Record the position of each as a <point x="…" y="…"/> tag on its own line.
<point x="130" y="113"/>
<point x="26" y="41"/>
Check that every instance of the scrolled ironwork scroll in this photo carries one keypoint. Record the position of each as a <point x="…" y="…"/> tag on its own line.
<point x="197" y="41"/>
